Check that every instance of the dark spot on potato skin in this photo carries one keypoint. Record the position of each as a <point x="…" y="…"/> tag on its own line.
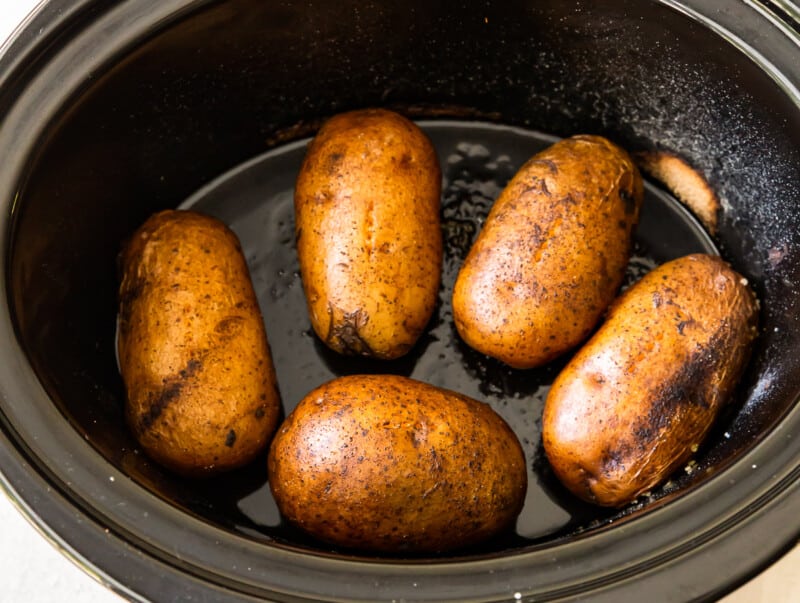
<point x="159" y="400"/>
<point x="570" y="200"/>
<point x="681" y="326"/>
<point x="692" y="385"/>
<point x="330" y="162"/>
<point x="230" y="439"/>
<point x="157" y="404"/>
<point x="192" y="367"/>
<point x="657" y="299"/>
<point x="535" y="186"/>
<point x="344" y="334"/>
<point x="229" y="326"/>
<point x="342" y="411"/>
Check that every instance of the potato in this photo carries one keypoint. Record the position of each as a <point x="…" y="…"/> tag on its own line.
<point x="368" y="235"/>
<point x="390" y="464"/>
<point x="552" y="253"/>
<point x="636" y="401"/>
<point x="193" y="352"/>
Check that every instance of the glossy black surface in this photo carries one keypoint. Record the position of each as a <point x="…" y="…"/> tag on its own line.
<point x="104" y="128"/>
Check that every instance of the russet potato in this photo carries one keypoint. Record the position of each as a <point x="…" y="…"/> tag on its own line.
<point x="368" y="236"/>
<point x="552" y="253"/>
<point x="634" y="403"/>
<point x="201" y="390"/>
<point x="390" y="464"/>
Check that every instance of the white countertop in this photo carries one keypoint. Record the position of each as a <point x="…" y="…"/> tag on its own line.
<point x="34" y="571"/>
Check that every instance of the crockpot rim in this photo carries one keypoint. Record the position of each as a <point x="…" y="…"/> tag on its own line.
<point x="24" y="487"/>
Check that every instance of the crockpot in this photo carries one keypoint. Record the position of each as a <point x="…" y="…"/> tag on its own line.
<point x="110" y="111"/>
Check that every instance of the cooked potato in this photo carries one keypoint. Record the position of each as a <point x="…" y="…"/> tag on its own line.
<point x="641" y="395"/>
<point x="368" y="234"/>
<point x="552" y="253"/>
<point x="193" y="353"/>
<point x="386" y="463"/>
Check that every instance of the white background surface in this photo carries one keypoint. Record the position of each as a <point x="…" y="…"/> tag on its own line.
<point x="32" y="570"/>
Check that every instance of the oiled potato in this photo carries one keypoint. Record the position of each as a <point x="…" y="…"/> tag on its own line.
<point x="387" y="463"/>
<point x="193" y="352"/>
<point x="552" y="253"/>
<point x="368" y="235"/>
<point x="634" y="402"/>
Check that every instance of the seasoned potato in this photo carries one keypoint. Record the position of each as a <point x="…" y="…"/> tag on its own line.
<point x="640" y="396"/>
<point x="193" y="353"/>
<point x="552" y="253"/>
<point x="386" y="463"/>
<point x="368" y="234"/>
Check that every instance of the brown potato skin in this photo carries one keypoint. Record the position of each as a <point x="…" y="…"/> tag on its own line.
<point x="368" y="232"/>
<point x="629" y="407"/>
<point x="552" y="253"/>
<point x="201" y="391"/>
<point x="389" y="464"/>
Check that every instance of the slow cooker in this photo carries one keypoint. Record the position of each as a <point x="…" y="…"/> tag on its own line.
<point x="110" y="111"/>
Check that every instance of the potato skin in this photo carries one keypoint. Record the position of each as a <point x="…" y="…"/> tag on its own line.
<point x="390" y="464"/>
<point x="193" y="353"/>
<point x="368" y="232"/>
<point x="629" y="407"/>
<point x="552" y="253"/>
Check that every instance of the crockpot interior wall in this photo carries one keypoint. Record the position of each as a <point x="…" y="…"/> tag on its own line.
<point x="224" y="83"/>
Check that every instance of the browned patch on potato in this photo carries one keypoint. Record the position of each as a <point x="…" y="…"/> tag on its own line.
<point x="344" y="332"/>
<point x="171" y="391"/>
<point x="230" y="326"/>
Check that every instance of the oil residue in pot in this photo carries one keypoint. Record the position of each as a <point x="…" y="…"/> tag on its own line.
<point x="478" y="159"/>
